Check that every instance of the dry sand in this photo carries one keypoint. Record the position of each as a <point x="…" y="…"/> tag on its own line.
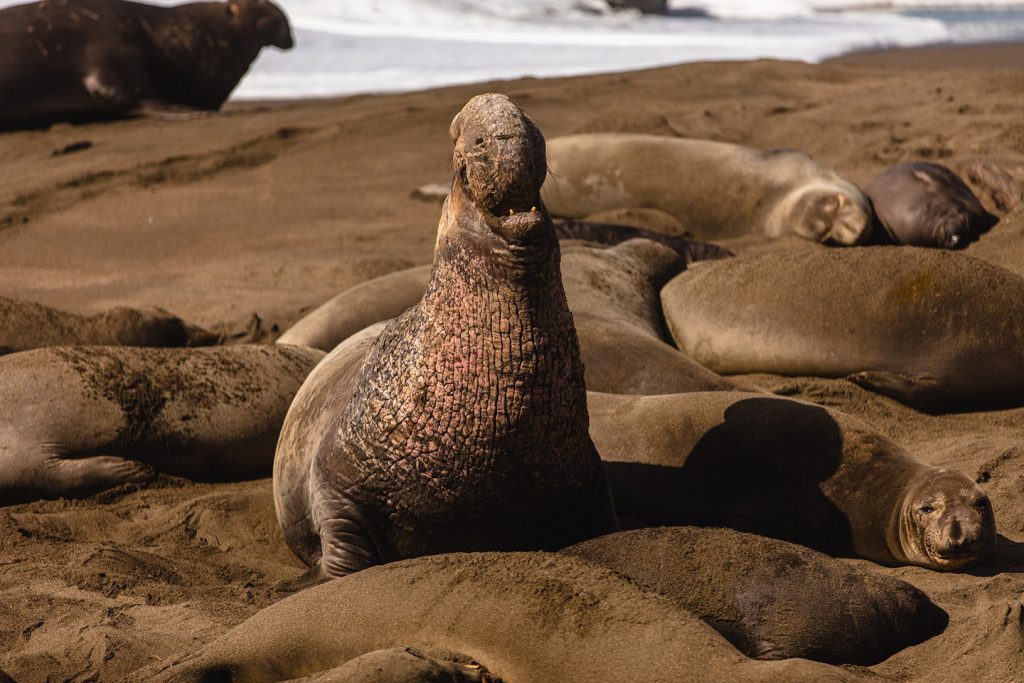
<point x="272" y="209"/>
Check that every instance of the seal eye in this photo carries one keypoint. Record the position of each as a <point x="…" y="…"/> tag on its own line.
<point x="926" y="509"/>
<point x="982" y="504"/>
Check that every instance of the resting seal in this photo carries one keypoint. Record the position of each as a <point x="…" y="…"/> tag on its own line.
<point x="25" y="325"/>
<point x="81" y="419"/>
<point x="716" y="190"/>
<point x="933" y="329"/>
<point x="86" y="60"/>
<point x="522" y="616"/>
<point x="465" y="425"/>
<point x="927" y="205"/>
<point x="787" y="469"/>
<point x="753" y="590"/>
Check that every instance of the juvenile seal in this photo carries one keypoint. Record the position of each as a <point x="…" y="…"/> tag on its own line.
<point x="613" y="296"/>
<point x="465" y="425"/>
<point x="25" y="325"/>
<point x="790" y="470"/>
<point x="522" y="616"/>
<point x="717" y="190"/>
<point x="78" y="420"/>
<point x="86" y="60"/>
<point x="753" y="590"/>
<point x="927" y="205"/>
<point x="936" y="330"/>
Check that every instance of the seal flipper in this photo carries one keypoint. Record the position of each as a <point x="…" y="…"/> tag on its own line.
<point x="345" y="548"/>
<point x="916" y="391"/>
<point x="80" y="476"/>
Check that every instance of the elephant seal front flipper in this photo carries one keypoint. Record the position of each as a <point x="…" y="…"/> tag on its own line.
<point x="911" y="390"/>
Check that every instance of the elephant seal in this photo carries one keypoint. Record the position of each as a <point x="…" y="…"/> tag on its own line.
<point x="717" y="190"/>
<point x="933" y="329"/>
<point x="611" y="233"/>
<point x="521" y="616"/>
<point x="25" y="325"/>
<point x="87" y="60"/>
<point x="465" y="425"/>
<point x="790" y="470"/>
<point x="369" y="302"/>
<point x="399" y="665"/>
<point x="927" y="205"/>
<point x="613" y="296"/>
<point x="78" y="420"/>
<point x="753" y="590"/>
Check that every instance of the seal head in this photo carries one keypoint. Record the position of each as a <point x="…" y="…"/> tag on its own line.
<point x="263" y="19"/>
<point x="946" y="522"/>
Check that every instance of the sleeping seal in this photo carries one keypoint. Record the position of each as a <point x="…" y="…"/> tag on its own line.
<point x="715" y="189"/>
<point x="87" y="60"/>
<point x="927" y="205"/>
<point x="78" y="420"/>
<point x="936" y="330"/>
<point x="464" y="427"/>
<point x="787" y="469"/>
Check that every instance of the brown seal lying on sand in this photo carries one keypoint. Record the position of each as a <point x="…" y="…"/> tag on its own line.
<point x="524" y="617"/>
<point x="787" y="469"/>
<point x="82" y="419"/>
<point x="933" y="329"/>
<point x="465" y="425"/>
<point x="84" y="60"/>
<point x="25" y="325"/>
<point x="715" y="189"/>
<point x="927" y="205"/>
<point x="772" y="599"/>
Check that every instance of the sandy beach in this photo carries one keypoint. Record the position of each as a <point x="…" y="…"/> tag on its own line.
<point x="268" y="209"/>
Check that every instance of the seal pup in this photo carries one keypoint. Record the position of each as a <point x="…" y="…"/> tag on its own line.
<point x="613" y="296"/>
<point x="927" y="205"/>
<point x="87" y="60"/>
<point x="78" y="420"/>
<point x="717" y="190"/>
<point x="753" y="590"/>
<point x="933" y="329"/>
<point x="522" y="616"/>
<point x="465" y="425"/>
<point x="790" y="470"/>
<point x="25" y="325"/>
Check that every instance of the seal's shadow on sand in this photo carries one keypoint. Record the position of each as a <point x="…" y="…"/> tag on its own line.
<point x="758" y="471"/>
<point x="1007" y="558"/>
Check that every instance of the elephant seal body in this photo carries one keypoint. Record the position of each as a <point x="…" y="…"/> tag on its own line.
<point x="525" y="617"/>
<point x="82" y="419"/>
<point x="753" y="590"/>
<point x="790" y="470"/>
<point x="927" y="205"/>
<point x="25" y="325"/>
<point x="465" y="425"/>
<point x="935" y="330"/>
<point x="612" y="233"/>
<point x="715" y="189"/>
<point x="84" y="60"/>
<point x="613" y="296"/>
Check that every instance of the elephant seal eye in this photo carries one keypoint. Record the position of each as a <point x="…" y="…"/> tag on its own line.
<point x="926" y="509"/>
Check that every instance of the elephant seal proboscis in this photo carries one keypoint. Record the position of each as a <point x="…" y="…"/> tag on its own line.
<point x="715" y="189"/>
<point x="83" y="60"/>
<point x="25" y="325"/>
<point x="936" y="330"/>
<point x="465" y="425"/>
<point x="78" y="420"/>
<point x="754" y="591"/>
<point x="927" y="205"/>
<point x="787" y="469"/>
<point x="613" y="296"/>
<point x="524" y="617"/>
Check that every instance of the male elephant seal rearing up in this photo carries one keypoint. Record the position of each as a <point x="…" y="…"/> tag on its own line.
<point x="85" y="60"/>
<point x="715" y="189"/>
<point x="465" y="425"/>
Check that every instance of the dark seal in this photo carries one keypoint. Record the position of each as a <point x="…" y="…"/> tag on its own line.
<point x="87" y="60"/>
<point x="464" y="427"/>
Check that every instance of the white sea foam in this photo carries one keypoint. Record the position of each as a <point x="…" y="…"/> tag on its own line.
<point x="354" y="46"/>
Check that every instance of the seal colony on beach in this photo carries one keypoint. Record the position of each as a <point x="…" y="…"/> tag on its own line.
<point x="465" y="426"/>
<point x="82" y="60"/>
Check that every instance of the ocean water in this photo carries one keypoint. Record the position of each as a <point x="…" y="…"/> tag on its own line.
<point x="363" y="46"/>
